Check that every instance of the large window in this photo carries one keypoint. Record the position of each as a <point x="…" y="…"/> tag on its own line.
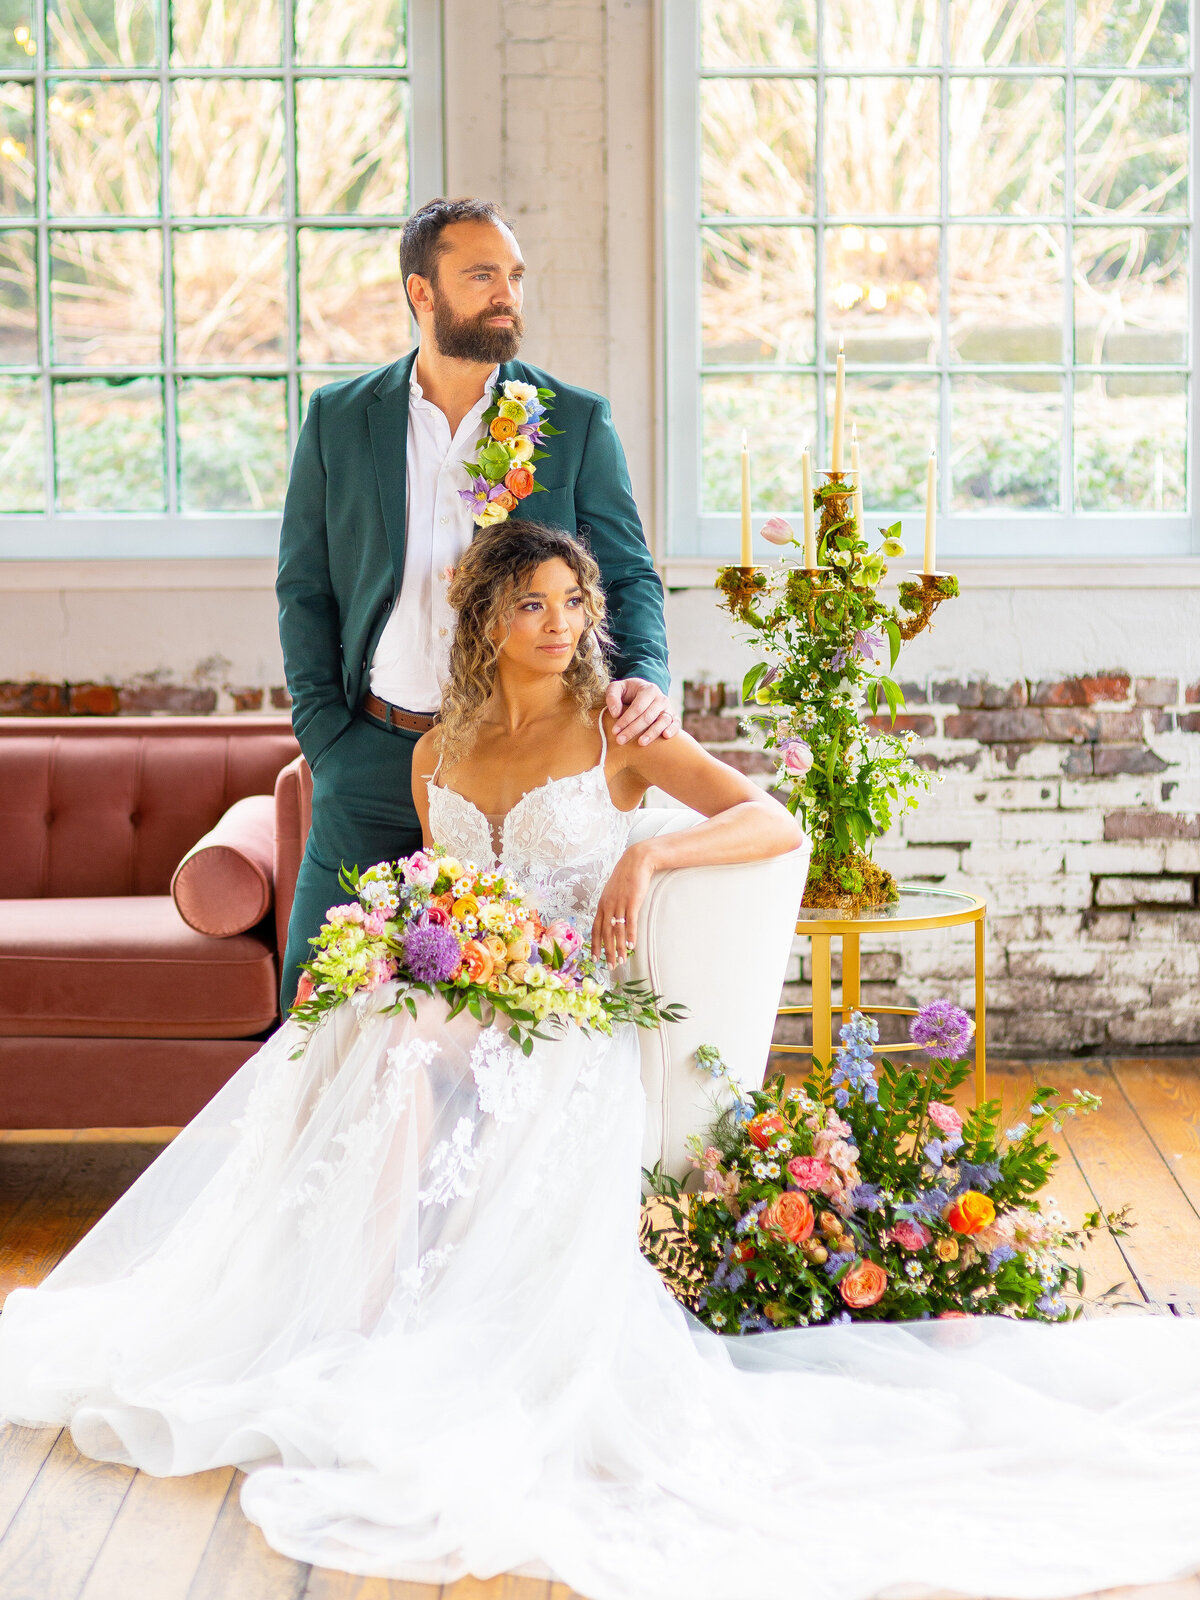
<point x="989" y="201"/>
<point x="198" y="213"/>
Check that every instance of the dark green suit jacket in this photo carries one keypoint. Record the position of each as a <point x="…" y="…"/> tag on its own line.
<point x="341" y="551"/>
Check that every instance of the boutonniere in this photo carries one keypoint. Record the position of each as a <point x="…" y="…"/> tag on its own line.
<point x="504" y="466"/>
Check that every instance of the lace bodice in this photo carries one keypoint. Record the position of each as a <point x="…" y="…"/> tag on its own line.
<point x="560" y="841"/>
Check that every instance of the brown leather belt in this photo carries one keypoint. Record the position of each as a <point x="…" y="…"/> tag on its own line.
<point x="395" y="716"/>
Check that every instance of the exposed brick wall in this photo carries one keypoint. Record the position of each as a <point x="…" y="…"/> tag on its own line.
<point x="134" y="699"/>
<point x="1074" y="807"/>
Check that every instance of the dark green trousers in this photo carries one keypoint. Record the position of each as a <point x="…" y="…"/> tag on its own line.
<point x="362" y="813"/>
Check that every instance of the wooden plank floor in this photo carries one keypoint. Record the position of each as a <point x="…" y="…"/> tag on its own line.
<point x="76" y="1529"/>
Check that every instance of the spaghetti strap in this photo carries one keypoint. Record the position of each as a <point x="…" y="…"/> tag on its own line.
<point x="603" y="743"/>
<point x="438" y="768"/>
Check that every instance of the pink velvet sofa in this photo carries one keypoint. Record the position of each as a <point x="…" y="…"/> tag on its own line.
<point x="114" y="1012"/>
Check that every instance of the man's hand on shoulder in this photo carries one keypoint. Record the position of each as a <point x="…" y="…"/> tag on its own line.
<point x="641" y="711"/>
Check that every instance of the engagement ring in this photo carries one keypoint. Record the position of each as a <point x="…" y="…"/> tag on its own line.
<point x="615" y="920"/>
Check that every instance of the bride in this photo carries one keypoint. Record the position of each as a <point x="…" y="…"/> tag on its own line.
<point x="397" y="1278"/>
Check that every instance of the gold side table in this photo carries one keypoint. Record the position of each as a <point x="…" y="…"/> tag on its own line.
<point x="917" y="910"/>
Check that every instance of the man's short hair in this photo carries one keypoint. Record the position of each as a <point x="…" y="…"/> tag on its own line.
<point x="421" y="242"/>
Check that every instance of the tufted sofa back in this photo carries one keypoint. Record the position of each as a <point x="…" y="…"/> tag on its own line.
<point x="100" y="807"/>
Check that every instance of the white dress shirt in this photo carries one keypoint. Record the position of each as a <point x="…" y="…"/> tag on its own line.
<point x="411" y="659"/>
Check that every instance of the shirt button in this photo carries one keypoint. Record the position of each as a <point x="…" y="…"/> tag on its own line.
<point x="445" y="519"/>
<point x="442" y="632"/>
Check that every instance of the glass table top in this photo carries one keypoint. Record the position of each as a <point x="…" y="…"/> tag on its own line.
<point x="916" y="904"/>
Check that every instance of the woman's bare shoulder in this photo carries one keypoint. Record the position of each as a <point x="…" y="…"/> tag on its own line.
<point x="426" y="752"/>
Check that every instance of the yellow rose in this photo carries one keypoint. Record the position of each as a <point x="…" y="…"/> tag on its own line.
<point x="520" y="449"/>
<point x="465" y="906"/>
<point x="519" y="971"/>
<point x="947" y="1249"/>
<point x="519" y="949"/>
<point x="452" y="867"/>
<point x="491" y="514"/>
<point x="497" y="949"/>
<point x="493" y="916"/>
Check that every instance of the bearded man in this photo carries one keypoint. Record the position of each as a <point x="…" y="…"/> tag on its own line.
<point x="379" y="508"/>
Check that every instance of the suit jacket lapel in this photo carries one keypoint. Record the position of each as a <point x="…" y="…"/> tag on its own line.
<point x="387" y="419"/>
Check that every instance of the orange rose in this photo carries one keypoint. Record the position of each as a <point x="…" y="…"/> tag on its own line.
<point x="864" y="1285"/>
<point x="519" y="480"/>
<point x="743" y="1252"/>
<point x="763" y="1127"/>
<point x="477" y="961"/>
<point x="790" y="1216"/>
<point x="496" y="948"/>
<point x="508" y="501"/>
<point x="971" y="1212"/>
<point x="446" y="900"/>
<point x="465" y="906"/>
<point x="305" y="990"/>
<point x="502" y="428"/>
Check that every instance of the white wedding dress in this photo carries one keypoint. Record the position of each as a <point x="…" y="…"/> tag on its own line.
<point x="397" y="1280"/>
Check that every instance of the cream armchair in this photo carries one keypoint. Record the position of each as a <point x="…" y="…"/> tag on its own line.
<point x="717" y="940"/>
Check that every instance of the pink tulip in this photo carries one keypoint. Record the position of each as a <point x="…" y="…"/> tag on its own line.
<point x="776" y="531"/>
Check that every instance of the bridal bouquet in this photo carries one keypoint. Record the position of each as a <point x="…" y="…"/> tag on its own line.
<point x="434" y="924"/>
<point x="864" y="1194"/>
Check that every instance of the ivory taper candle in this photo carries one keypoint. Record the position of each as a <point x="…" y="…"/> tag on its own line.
<point x="839" y="405"/>
<point x="931" y="511"/>
<point x="810" y="536"/>
<point x="856" y="469"/>
<point x="746" y="556"/>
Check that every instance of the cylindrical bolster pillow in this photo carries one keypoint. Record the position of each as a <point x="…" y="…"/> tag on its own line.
<point x="224" y="884"/>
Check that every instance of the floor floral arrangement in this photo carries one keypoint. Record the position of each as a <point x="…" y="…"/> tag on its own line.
<point x="435" y="925"/>
<point x="865" y="1195"/>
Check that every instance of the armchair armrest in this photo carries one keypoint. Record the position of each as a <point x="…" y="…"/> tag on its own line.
<point x="717" y="940"/>
<point x="224" y="883"/>
<point x="293" y="818"/>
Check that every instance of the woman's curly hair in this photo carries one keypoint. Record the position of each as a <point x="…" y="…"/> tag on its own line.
<point x="494" y="572"/>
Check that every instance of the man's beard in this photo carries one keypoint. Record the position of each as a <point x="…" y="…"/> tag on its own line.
<point x="471" y="338"/>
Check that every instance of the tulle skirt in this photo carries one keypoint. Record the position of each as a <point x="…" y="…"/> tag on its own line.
<point x="396" y="1279"/>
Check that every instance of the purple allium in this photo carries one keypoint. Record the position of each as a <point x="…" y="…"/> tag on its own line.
<point x="431" y="953"/>
<point x="942" y="1029"/>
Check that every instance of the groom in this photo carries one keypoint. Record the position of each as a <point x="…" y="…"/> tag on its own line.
<point x="374" y="521"/>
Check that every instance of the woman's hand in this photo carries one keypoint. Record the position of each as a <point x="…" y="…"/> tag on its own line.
<point x="620" y="904"/>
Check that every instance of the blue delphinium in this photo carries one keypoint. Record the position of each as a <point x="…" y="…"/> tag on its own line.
<point x="838" y="1259"/>
<point x="853" y="1071"/>
<point x="1001" y="1254"/>
<point x="979" y="1175"/>
<point x="924" y="1207"/>
<point x="866" y="1197"/>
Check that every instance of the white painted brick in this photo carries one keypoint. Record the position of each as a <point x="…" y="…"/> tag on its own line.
<point x="1068" y="827"/>
<point x="925" y="862"/>
<point x="1152" y="928"/>
<point x="1056" y="961"/>
<point x="1182" y="855"/>
<point x="1156" y="1027"/>
<point x="1184" y="792"/>
<point x="1111" y="794"/>
<point x="1062" y="893"/>
<point x="1034" y="761"/>
<point x="1139" y="855"/>
<point x="1006" y="861"/>
<point x="937" y="824"/>
<point x="1144" y="891"/>
<point x="1024" y="794"/>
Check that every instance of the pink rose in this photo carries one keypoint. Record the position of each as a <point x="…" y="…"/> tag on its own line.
<point x="810" y="1172"/>
<point x="945" y="1117"/>
<point x="438" y="915"/>
<point x="375" y="922"/>
<point x="776" y="531"/>
<point x="337" y="915"/>
<point x="380" y="971"/>
<point x="565" y="935"/>
<point x="420" y="869"/>
<point x="911" y="1235"/>
<point x="797" y="757"/>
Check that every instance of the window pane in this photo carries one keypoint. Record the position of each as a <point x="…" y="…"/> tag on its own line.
<point x="1006" y="146"/>
<point x="352" y="305"/>
<point x="16" y="150"/>
<point x="21" y="445"/>
<point x="1007" y="33"/>
<point x="778" y="412"/>
<point x="248" y="34"/>
<point x="757" y="294"/>
<point x="232" y="444"/>
<point x="1131" y="442"/>
<point x="1131" y="33"/>
<point x="230" y="296"/>
<point x="108" y="444"/>
<point x="758" y="33"/>
<point x="18" y="298"/>
<point x="880" y="33"/>
<point x="897" y="417"/>
<point x="757" y="149"/>
<point x="1007" y="442"/>
<point x="103" y="149"/>
<point x="1006" y="293"/>
<point x="226" y="148"/>
<point x="1131" y="294"/>
<point x="881" y="292"/>
<point x="881" y="146"/>
<point x="102" y="33"/>
<point x="331" y="33"/>
<point x="106" y="297"/>
<point x="352" y="135"/>
<point x="1131" y="145"/>
<point x="18" y="47"/>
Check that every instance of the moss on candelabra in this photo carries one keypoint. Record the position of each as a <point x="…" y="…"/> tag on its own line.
<point x="822" y="634"/>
